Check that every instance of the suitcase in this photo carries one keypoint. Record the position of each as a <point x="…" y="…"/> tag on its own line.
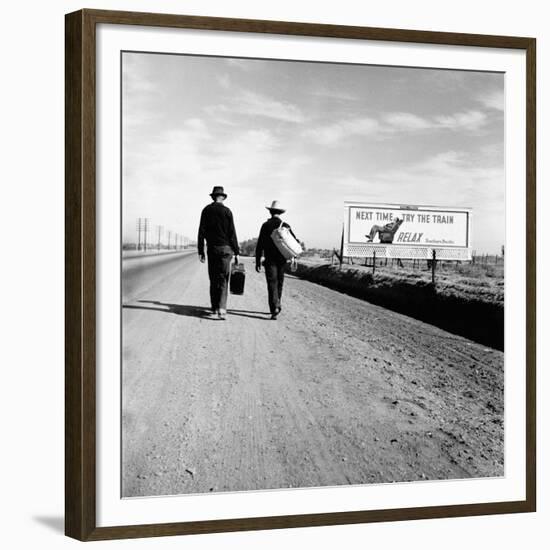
<point x="237" y="278"/>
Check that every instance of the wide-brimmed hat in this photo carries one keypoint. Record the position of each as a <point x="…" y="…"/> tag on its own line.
<point x="218" y="190"/>
<point x="276" y="207"/>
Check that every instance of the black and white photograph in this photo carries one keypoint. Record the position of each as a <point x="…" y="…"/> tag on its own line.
<point x="271" y="275"/>
<point x="312" y="274"/>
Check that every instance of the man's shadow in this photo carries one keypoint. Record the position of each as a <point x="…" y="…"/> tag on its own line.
<point x="190" y="311"/>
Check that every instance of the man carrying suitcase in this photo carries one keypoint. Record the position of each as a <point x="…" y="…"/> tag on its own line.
<point x="274" y="262"/>
<point x="217" y="228"/>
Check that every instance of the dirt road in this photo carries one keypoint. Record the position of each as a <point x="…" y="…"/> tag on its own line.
<point x="336" y="391"/>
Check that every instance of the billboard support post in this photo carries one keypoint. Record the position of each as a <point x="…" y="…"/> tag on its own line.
<point x="341" y="258"/>
<point x="374" y="262"/>
<point x="433" y="266"/>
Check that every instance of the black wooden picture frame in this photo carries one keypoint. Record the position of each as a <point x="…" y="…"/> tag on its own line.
<point x="80" y="274"/>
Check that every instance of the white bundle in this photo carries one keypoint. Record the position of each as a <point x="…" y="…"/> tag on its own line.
<point x="285" y="242"/>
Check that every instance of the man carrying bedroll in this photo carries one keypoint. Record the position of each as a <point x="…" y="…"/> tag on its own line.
<point x="274" y="262"/>
<point x="217" y="228"/>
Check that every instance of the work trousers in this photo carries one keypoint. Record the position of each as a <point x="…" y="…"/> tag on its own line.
<point x="219" y="269"/>
<point x="275" y="276"/>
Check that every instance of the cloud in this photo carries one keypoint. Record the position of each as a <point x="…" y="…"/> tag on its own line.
<point x="493" y="100"/>
<point x="196" y="126"/>
<point x="139" y="92"/>
<point x="194" y="156"/>
<point x="450" y="177"/>
<point x="168" y="176"/>
<point x="334" y="133"/>
<point x="253" y="104"/>
<point x="339" y="95"/>
<point x="407" y="121"/>
<point x="243" y="64"/>
<point x="136" y="77"/>
<point x="457" y="179"/>
<point x="224" y="81"/>
<point x="264" y="141"/>
<point x="471" y="121"/>
<point x="394" y="123"/>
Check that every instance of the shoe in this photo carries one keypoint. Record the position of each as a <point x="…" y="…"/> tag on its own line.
<point x="276" y="313"/>
<point x="221" y="314"/>
<point x="273" y="316"/>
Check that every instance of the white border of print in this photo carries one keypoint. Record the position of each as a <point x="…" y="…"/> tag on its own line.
<point x="111" y="508"/>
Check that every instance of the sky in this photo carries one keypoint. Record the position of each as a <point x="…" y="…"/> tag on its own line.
<point x="310" y="135"/>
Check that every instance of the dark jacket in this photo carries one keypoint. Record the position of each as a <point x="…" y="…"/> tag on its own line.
<point x="217" y="228"/>
<point x="266" y="246"/>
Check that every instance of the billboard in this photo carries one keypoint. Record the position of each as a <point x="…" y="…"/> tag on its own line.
<point x="445" y="229"/>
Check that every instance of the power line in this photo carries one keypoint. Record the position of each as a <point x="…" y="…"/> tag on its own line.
<point x="175" y="241"/>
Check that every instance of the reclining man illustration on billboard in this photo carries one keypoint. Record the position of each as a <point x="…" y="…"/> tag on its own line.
<point x="386" y="233"/>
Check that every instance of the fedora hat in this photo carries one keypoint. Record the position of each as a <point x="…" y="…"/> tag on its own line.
<point x="218" y="190"/>
<point x="276" y="207"/>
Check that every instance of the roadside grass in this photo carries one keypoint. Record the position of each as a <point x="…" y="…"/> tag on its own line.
<point x="465" y="280"/>
<point x="467" y="299"/>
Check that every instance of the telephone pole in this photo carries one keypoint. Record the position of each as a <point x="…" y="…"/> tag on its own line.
<point x="159" y="229"/>
<point x="169" y="235"/>
<point x="145" y="228"/>
<point x="139" y="227"/>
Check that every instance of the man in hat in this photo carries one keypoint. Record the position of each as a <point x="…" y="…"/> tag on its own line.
<point x="274" y="262"/>
<point x="217" y="228"/>
<point x="385" y="232"/>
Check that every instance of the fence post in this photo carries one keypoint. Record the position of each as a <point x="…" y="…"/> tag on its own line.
<point x="433" y="266"/>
